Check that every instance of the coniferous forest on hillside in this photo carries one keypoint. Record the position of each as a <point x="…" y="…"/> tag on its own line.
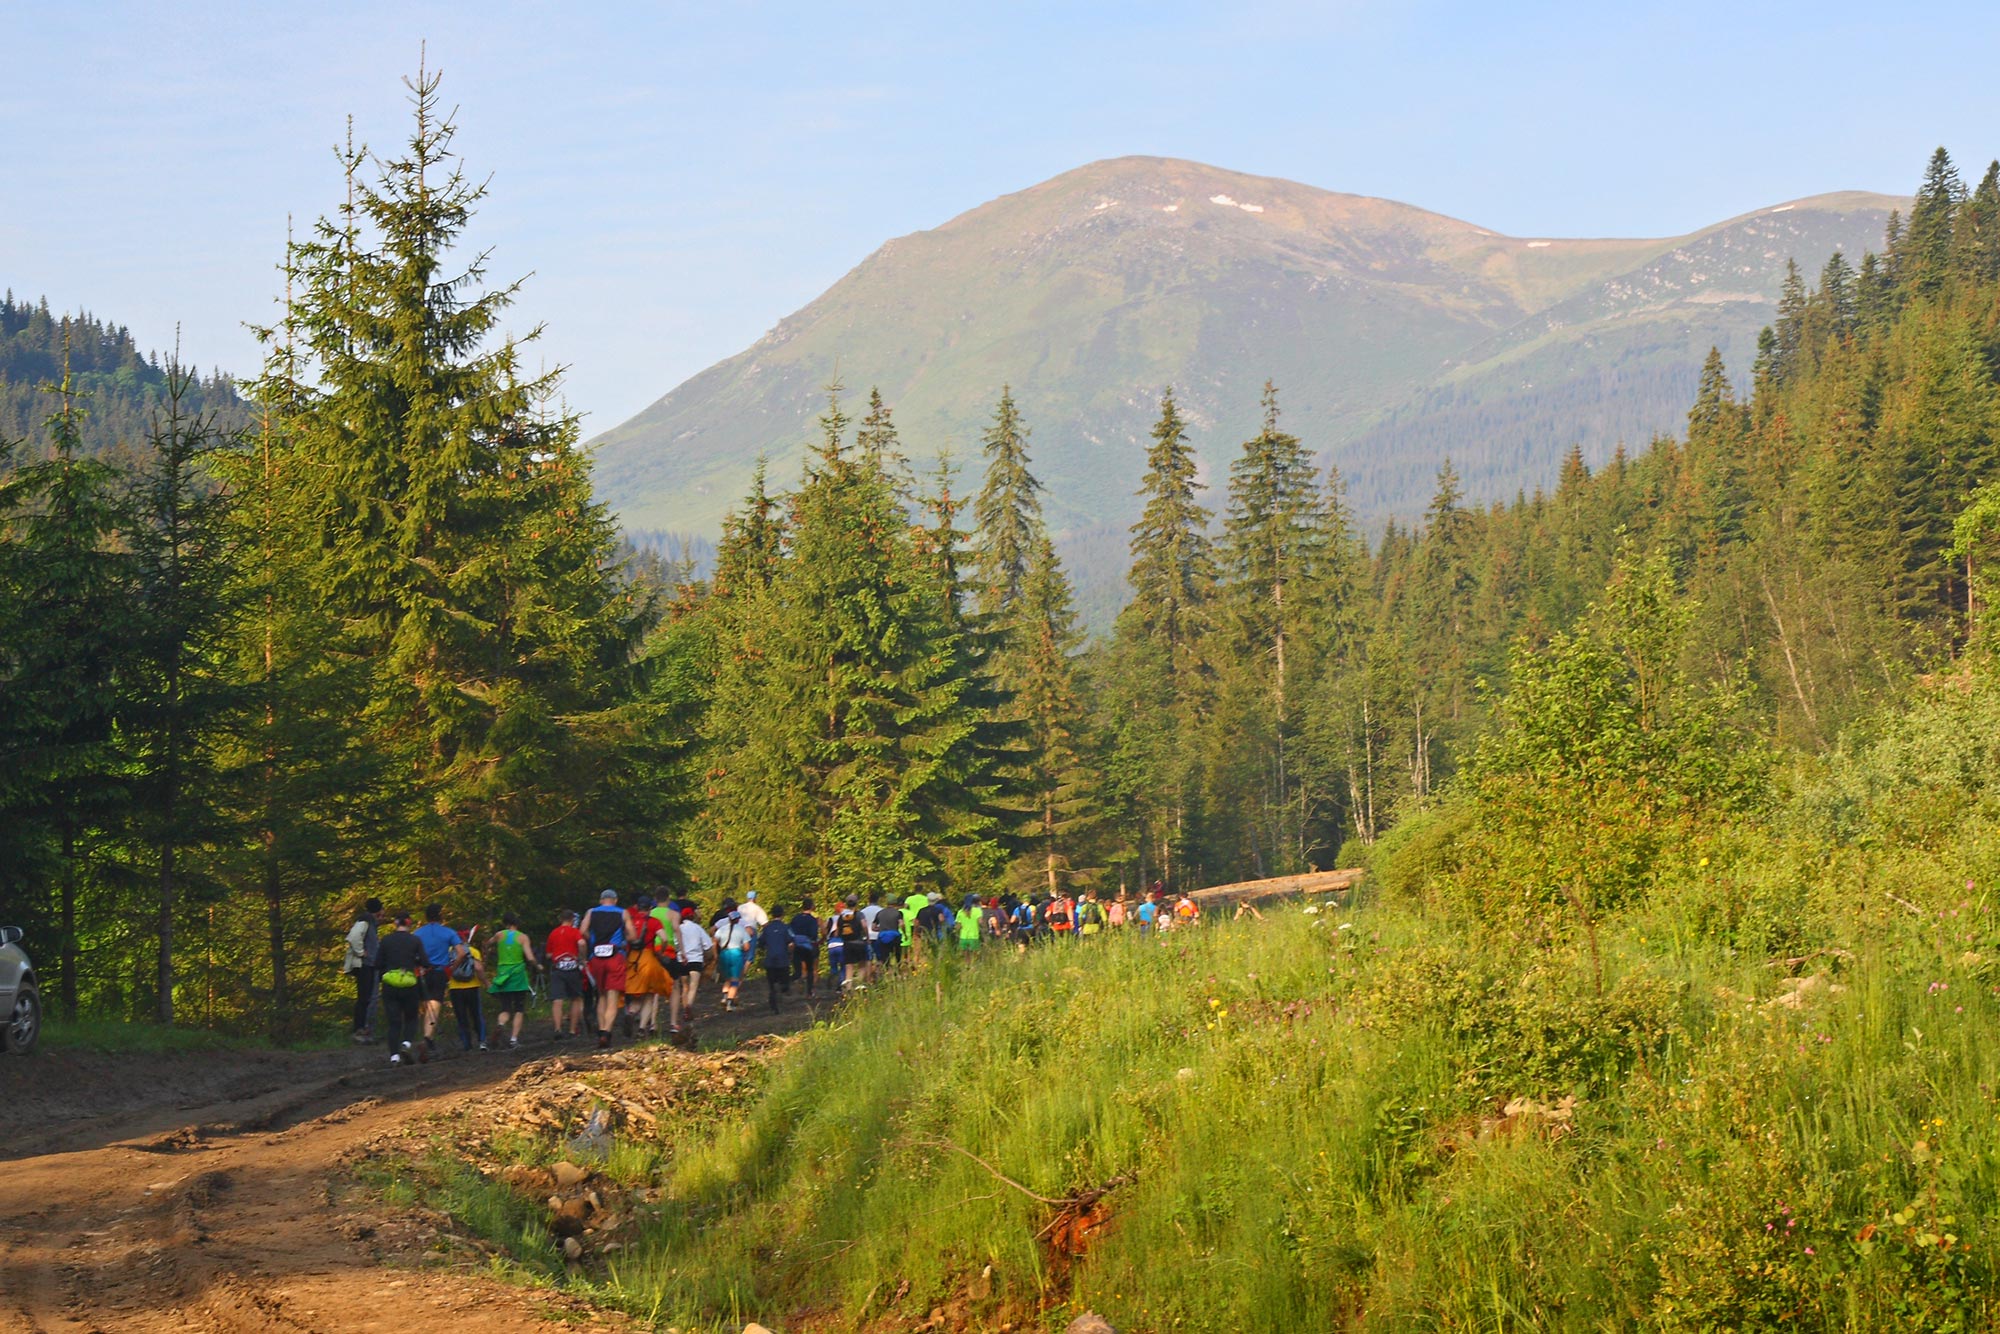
<point x="1629" y="759"/>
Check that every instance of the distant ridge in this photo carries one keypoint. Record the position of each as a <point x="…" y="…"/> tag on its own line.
<point x="1396" y="335"/>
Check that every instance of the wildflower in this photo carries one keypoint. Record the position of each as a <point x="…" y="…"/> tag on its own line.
<point x="1809" y="1250"/>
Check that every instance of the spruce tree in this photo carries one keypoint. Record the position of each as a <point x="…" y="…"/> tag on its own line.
<point x="1173" y="563"/>
<point x="62" y="769"/>
<point x="1833" y="305"/>
<point x="1924" y="252"/>
<point x="1058" y="777"/>
<point x="881" y="448"/>
<point x="1270" y="560"/>
<point x="1007" y="517"/>
<point x="182" y="694"/>
<point x="1976" y="239"/>
<point x="456" y="542"/>
<point x="746" y="559"/>
<point x="1160" y="656"/>
<point x="1790" y="330"/>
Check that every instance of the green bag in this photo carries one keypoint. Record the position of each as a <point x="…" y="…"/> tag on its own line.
<point x="399" y="977"/>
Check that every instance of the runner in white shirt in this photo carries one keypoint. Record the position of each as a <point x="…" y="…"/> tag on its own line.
<point x="868" y="916"/>
<point x="753" y="916"/>
<point x="696" y="946"/>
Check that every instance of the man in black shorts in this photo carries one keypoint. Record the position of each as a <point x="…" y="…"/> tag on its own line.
<point x="564" y="952"/>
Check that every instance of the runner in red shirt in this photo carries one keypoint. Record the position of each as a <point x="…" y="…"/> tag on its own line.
<point x="564" y="953"/>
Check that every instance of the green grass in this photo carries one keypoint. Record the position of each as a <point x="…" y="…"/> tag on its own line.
<point x="1309" y="1118"/>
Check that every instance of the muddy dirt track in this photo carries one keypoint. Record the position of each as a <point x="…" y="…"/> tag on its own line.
<point x="211" y="1192"/>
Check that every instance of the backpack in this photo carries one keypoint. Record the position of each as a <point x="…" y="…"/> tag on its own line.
<point x="465" y="968"/>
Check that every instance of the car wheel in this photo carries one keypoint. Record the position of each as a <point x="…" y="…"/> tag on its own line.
<point x="25" y="1024"/>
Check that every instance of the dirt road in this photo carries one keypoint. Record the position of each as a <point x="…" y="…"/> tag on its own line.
<point x="209" y="1193"/>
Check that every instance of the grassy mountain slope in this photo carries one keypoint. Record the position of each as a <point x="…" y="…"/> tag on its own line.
<point x="1396" y="334"/>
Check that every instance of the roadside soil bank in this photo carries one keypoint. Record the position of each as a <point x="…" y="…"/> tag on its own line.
<point x="212" y="1191"/>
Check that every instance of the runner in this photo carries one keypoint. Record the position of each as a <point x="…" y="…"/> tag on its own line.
<point x="1186" y="911"/>
<point x="441" y="945"/>
<point x="890" y="932"/>
<point x="363" y="943"/>
<point x="403" y="963"/>
<point x="927" y="927"/>
<point x="646" y="975"/>
<point x="696" y="946"/>
<point x="871" y="913"/>
<point x="805" y="945"/>
<point x="606" y="928"/>
<point x="733" y="939"/>
<point x="564" y="952"/>
<point x="774" y="942"/>
<point x="913" y="903"/>
<point x="1059" y="920"/>
<point x="1148" y="914"/>
<point x="512" y="957"/>
<point x="1115" y="915"/>
<point x="852" y="930"/>
<point x="462" y="984"/>
<point x="971" y="918"/>
<point x="752" y="913"/>
<point x="836" y="948"/>
<point x="1089" y="916"/>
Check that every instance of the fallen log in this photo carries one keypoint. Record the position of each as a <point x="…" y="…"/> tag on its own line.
<point x="1312" y="882"/>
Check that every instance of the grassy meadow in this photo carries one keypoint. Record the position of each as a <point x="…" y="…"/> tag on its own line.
<point x="1368" y="1118"/>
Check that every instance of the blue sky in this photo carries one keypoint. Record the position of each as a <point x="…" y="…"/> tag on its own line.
<point x="679" y="177"/>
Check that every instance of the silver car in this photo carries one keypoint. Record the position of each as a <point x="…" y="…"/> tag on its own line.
<point x="20" y="994"/>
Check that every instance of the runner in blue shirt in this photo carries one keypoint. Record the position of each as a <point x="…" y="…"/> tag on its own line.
<point x="441" y="946"/>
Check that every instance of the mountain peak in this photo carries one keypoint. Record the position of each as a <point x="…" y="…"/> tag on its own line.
<point x="1396" y="335"/>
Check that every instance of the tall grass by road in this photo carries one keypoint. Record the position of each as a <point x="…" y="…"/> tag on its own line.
<point x="1329" y="1122"/>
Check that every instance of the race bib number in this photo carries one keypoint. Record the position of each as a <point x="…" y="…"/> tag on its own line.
<point x="567" y="963"/>
<point x="603" y="951"/>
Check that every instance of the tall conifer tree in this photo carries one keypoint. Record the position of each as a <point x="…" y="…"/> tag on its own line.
<point x="453" y="531"/>
<point x="1007" y="517"/>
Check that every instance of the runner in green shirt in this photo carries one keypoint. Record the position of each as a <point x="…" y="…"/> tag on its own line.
<point x="512" y="956"/>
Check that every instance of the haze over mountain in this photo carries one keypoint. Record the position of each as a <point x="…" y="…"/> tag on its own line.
<point x="1396" y="336"/>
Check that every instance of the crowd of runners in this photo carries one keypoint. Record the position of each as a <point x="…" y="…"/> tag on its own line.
<point x="639" y="968"/>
